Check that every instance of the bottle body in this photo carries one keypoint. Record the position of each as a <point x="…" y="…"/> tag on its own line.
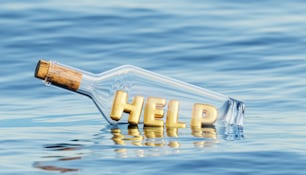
<point x="171" y="97"/>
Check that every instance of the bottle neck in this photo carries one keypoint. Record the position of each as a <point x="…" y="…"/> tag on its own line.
<point x="87" y="84"/>
<point x="65" y="77"/>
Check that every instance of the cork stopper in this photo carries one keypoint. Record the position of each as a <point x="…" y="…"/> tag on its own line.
<point x="58" y="75"/>
<point x="42" y="69"/>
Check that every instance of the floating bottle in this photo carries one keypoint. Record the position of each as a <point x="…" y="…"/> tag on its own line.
<point x="128" y="94"/>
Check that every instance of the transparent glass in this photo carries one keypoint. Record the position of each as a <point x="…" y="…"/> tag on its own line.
<point x="101" y="88"/>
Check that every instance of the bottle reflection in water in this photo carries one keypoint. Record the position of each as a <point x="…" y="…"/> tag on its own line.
<point x="129" y="94"/>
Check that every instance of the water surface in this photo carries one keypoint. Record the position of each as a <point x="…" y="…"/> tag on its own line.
<point x="252" y="51"/>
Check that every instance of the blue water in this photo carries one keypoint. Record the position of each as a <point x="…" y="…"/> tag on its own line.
<point x="252" y="51"/>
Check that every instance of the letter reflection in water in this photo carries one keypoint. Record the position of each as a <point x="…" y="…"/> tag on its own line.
<point x="208" y="132"/>
<point x="155" y="141"/>
<point x="133" y="136"/>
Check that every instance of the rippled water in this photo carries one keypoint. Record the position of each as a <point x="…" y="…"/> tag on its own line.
<point x="253" y="51"/>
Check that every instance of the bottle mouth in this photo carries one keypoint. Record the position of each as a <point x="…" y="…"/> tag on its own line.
<point x="58" y="75"/>
<point x="42" y="69"/>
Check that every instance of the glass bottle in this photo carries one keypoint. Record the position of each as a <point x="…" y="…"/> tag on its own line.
<point x="128" y="94"/>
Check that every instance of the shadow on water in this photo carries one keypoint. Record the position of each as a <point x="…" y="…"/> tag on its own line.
<point x="59" y="148"/>
<point x="128" y="141"/>
<point x="41" y="166"/>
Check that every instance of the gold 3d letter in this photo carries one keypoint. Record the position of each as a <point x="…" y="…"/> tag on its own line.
<point x="203" y="114"/>
<point x="153" y="110"/>
<point x="121" y="105"/>
<point x="172" y="115"/>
